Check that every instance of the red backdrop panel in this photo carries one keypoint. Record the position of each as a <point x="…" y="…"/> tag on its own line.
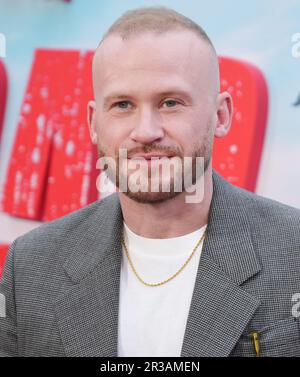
<point x="3" y="94"/>
<point x="237" y="156"/>
<point x="52" y="164"/>
<point x="3" y="251"/>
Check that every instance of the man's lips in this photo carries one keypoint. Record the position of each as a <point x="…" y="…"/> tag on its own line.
<point x="149" y="157"/>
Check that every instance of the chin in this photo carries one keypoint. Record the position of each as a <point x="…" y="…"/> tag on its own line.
<point x="151" y="197"/>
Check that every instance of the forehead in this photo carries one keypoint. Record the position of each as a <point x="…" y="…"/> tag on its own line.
<point x="178" y="56"/>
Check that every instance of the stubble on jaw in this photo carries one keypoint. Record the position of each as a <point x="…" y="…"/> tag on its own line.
<point x="114" y="174"/>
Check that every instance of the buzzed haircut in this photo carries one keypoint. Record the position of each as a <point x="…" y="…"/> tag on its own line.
<point x="153" y="19"/>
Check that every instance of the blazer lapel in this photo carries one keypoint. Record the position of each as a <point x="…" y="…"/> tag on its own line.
<point x="220" y="308"/>
<point x="87" y="312"/>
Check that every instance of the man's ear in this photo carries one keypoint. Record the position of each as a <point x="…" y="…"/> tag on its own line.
<point x="91" y="119"/>
<point x="224" y="114"/>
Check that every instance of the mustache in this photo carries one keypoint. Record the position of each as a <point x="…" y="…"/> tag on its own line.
<point x="154" y="148"/>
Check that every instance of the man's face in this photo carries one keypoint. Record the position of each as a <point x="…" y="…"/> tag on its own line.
<point x="155" y="95"/>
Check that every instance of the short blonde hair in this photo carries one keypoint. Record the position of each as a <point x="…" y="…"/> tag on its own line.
<point x="153" y="19"/>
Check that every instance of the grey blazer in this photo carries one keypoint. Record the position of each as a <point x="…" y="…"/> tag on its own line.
<point x="61" y="282"/>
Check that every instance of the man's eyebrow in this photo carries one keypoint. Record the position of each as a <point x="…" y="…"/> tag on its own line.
<point x="168" y="93"/>
<point x="176" y="92"/>
<point x="115" y="97"/>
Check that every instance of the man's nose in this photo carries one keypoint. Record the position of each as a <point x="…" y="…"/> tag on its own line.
<point x="148" y="127"/>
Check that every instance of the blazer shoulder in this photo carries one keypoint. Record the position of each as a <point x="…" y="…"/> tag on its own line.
<point x="255" y="205"/>
<point x="270" y="208"/>
<point x="271" y="216"/>
<point x="57" y="232"/>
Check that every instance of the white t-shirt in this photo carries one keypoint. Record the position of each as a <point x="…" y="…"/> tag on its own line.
<point x="152" y="320"/>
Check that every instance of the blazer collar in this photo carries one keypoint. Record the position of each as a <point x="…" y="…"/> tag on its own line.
<point x="220" y="308"/>
<point x="101" y="238"/>
<point x="228" y="241"/>
<point x="87" y="312"/>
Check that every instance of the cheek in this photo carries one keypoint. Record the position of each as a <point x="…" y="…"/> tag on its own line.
<point x="192" y="133"/>
<point x="186" y="131"/>
<point x="111" y="134"/>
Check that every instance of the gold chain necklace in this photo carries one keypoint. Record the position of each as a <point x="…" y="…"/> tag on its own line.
<point x="170" y="278"/>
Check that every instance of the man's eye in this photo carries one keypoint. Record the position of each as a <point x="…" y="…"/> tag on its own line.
<point x="122" y="105"/>
<point x="171" y="103"/>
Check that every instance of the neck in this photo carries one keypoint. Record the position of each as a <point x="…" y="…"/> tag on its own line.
<point x="171" y="218"/>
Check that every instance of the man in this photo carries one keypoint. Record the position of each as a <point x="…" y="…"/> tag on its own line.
<point x="145" y="272"/>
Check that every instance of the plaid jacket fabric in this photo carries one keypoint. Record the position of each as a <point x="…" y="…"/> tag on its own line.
<point x="61" y="282"/>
